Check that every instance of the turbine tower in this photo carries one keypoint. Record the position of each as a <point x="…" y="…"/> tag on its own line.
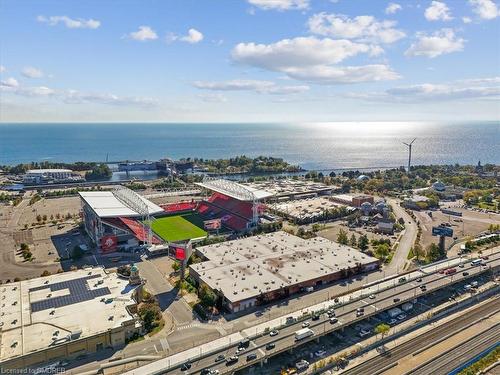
<point x="409" y="153"/>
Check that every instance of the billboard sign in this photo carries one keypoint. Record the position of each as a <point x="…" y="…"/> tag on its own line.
<point x="181" y="252"/>
<point x="451" y="212"/>
<point x="442" y="231"/>
<point x="109" y="243"/>
<point x="212" y="224"/>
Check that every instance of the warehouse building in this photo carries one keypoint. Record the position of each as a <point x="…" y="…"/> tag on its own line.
<point x="63" y="316"/>
<point x="255" y="270"/>
<point x="352" y="200"/>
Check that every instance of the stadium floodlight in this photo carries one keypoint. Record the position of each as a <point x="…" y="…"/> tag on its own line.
<point x="133" y="201"/>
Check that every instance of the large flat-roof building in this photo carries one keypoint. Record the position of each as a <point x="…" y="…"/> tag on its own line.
<point x="255" y="270"/>
<point x="39" y="176"/>
<point x="64" y="315"/>
<point x="352" y="199"/>
<point x="282" y="189"/>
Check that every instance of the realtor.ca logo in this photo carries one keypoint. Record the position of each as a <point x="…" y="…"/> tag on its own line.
<point x="109" y="242"/>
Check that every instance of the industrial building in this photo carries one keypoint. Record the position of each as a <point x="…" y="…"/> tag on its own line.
<point x="41" y="176"/>
<point x="109" y="218"/>
<point x="283" y="189"/>
<point x="305" y="210"/>
<point x="255" y="270"/>
<point x="352" y="200"/>
<point x="64" y="315"/>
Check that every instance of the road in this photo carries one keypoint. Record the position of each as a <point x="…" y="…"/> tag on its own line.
<point x="377" y="364"/>
<point x="346" y="315"/>
<point x="406" y="241"/>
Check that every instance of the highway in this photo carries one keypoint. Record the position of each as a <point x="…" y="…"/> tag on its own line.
<point x="463" y="352"/>
<point x="376" y="365"/>
<point x="346" y="315"/>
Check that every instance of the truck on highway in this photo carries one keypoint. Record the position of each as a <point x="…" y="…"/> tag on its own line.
<point x="394" y="312"/>
<point x="303" y="333"/>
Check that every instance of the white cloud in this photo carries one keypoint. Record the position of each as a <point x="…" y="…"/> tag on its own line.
<point x="143" y="34"/>
<point x="193" y="36"/>
<point x="9" y="82"/>
<point x="70" y="23"/>
<point x="466" y="20"/>
<point x="483" y="88"/>
<point x="2" y="69"/>
<point x="280" y="4"/>
<point x="485" y="9"/>
<point x="31" y="72"/>
<point x="260" y="86"/>
<point x="213" y="98"/>
<point x="441" y="42"/>
<point x="438" y="11"/>
<point x="10" y="85"/>
<point x="363" y="28"/>
<point x="392" y="8"/>
<point x="312" y="59"/>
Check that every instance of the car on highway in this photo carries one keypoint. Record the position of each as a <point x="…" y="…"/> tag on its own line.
<point x="333" y="320"/>
<point x="336" y="300"/>
<point x="423" y="288"/>
<point x="220" y="358"/>
<point x="330" y="313"/>
<point x="231" y="360"/>
<point x="251" y="357"/>
<point x="461" y="265"/>
<point x="441" y="271"/>
<point x="306" y="324"/>
<point x="240" y="350"/>
<point x="396" y="300"/>
<point x="360" y="313"/>
<point x="273" y="333"/>
<point x="270" y="346"/>
<point x="315" y="317"/>
<point x="419" y="280"/>
<point x="290" y="320"/>
<point x="372" y="296"/>
<point x="186" y="366"/>
<point x="206" y="371"/>
<point x="402" y="280"/>
<point x="450" y="271"/>
<point x="465" y="273"/>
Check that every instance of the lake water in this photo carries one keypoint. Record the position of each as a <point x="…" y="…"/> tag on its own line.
<point x="311" y="145"/>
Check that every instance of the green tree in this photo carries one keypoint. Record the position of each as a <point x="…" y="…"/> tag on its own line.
<point x="176" y="266"/>
<point x="363" y="242"/>
<point x="342" y="237"/>
<point x="207" y="296"/>
<point x="382" y="329"/>
<point x="353" y="241"/>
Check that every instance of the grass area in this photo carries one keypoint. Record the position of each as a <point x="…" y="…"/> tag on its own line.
<point x="179" y="227"/>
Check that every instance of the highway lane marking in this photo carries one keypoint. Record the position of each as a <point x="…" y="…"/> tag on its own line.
<point x="164" y="344"/>
<point x="156" y="349"/>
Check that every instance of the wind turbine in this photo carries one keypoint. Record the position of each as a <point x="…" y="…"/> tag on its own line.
<point x="409" y="153"/>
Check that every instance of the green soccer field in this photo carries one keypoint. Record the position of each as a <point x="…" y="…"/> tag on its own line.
<point x="179" y="227"/>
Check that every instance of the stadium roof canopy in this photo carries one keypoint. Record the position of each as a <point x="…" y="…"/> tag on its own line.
<point x="106" y="204"/>
<point x="233" y="189"/>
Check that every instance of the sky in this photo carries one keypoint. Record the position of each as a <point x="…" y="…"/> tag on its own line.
<point x="249" y="60"/>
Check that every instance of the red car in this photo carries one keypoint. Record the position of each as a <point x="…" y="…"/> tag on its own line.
<point x="450" y="271"/>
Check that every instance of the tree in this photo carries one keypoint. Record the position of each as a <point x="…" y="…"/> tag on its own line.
<point x="207" y="296"/>
<point x="39" y="218"/>
<point x="382" y="329"/>
<point x="353" y="241"/>
<point x="342" y="237"/>
<point x="176" y="266"/>
<point x="363" y="242"/>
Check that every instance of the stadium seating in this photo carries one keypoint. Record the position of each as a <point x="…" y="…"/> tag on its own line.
<point x="179" y="207"/>
<point x="233" y="213"/>
<point x="139" y="231"/>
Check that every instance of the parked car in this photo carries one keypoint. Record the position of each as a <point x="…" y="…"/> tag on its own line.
<point x="401" y="317"/>
<point x="320" y="353"/>
<point x="364" y="332"/>
<point x="392" y="322"/>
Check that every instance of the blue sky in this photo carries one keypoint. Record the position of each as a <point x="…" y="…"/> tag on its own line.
<point x="249" y="60"/>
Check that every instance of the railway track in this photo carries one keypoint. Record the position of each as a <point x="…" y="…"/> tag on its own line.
<point x="379" y="364"/>
<point x="448" y="361"/>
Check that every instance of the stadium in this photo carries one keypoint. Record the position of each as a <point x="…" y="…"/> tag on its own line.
<point x="122" y="219"/>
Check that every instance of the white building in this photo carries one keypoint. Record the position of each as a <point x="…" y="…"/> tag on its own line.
<point x="38" y="176"/>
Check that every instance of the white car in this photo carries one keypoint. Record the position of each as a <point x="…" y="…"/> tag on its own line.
<point x="320" y="353"/>
<point x="274" y="332"/>
<point x="306" y="324"/>
<point x="364" y="332"/>
<point x="372" y="296"/>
